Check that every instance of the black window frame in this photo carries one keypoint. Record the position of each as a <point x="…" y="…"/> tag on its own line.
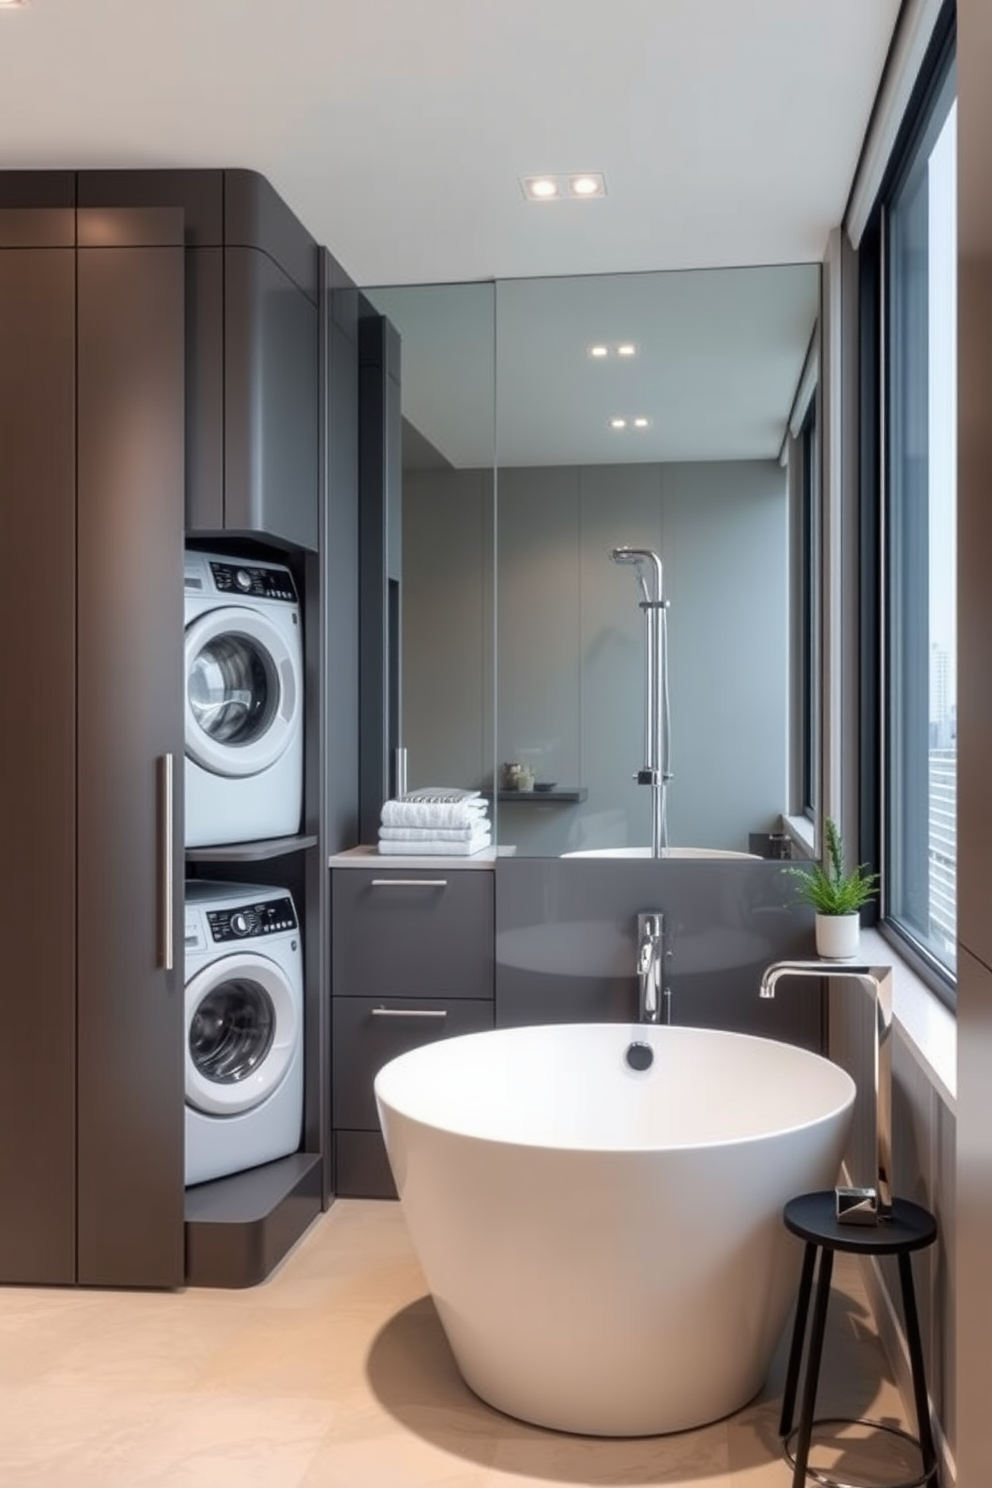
<point x="874" y="476"/>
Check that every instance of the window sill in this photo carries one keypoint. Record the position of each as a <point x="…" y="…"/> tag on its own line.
<point x="928" y="1028"/>
<point x="802" y="832"/>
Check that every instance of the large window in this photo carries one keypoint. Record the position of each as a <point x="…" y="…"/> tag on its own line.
<point x="919" y="448"/>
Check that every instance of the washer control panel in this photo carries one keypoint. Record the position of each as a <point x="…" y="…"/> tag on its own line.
<point x="251" y="921"/>
<point x="253" y="581"/>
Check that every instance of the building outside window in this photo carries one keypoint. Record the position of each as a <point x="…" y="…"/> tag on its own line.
<point x="919" y="588"/>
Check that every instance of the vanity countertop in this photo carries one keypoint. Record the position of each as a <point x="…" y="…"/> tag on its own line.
<point x="369" y="857"/>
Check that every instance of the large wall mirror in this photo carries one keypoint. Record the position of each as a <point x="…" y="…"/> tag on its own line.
<point x="547" y="422"/>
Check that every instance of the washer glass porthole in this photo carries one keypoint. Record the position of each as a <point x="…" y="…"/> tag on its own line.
<point x="231" y="1031"/>
<point x="233" y="689"/>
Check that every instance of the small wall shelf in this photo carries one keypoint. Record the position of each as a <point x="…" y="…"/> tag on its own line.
<point x="249" y="852"/>
<point x="562" y="795"/>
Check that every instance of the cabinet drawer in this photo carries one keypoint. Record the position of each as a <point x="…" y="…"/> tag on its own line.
<point x="414" y="933"/>
<point x="369" y="1031"/>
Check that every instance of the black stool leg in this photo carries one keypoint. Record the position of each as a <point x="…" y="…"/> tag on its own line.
<point x="798" y="1338"/>
<point x="920" y="1400"/>
<point x="813" y="1367"/>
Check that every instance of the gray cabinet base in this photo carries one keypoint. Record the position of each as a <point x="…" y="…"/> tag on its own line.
<point x="238" y="1229"/>
<point x="361" y="1167"/>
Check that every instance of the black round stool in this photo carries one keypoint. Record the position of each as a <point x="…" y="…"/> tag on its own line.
<point x="812" y="1217"/>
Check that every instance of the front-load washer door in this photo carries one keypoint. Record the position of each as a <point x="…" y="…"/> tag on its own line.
<point x="242" y="1030"/>
<point x="243" y="692"/>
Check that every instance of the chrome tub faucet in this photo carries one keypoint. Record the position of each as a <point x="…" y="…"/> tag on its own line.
<point x="655" y="1000"/>
<point x="872" y="1204"/>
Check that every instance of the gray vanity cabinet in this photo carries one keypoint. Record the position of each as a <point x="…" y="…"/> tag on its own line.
<point x="412" y="960"/>
<point x="412" y="932"/>
<point x="367" y="1033"/>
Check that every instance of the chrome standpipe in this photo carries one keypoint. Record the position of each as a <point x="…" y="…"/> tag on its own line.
<point x="873" y="1204"/>
<point x="656" y="772"/>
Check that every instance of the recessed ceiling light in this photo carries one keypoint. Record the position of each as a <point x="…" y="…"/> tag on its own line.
<point x="540" y="188"/>
<point x="626" y="348"/>
<point x="641" y="423"/>
<point x="552" y="188"/>
<point x="591" y="183"/>
<point x="618" y="423"/>
<point x="599" y="351"/>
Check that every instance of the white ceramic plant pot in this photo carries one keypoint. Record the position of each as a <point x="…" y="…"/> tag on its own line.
<point x="838" y="936"/>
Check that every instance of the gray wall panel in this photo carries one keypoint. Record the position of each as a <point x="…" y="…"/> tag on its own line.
<point x="539" y="662"/>
<point x="728" y="632"/>
<point x="446" y="552"/>
<point x="618" y="505"/>
<point x="570" y="639"/>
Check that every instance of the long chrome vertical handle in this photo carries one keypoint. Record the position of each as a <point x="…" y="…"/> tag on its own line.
<point x="165" y="861"/>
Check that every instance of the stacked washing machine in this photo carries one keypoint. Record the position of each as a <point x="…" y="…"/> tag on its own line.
<point x="243" y="783"/>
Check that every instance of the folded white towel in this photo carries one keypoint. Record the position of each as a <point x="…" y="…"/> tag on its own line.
<point x="434" y="848"/>
<point x="445" y="794"/>
<point x="440" y="834"/>
<point x="464" y="813"/>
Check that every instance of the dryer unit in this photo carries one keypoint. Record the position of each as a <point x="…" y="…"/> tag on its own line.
<point x="244" y="701"/>
<point x="244" y="1028"/>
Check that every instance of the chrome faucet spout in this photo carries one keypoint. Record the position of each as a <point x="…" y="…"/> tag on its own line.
<point x="873" y="1203"/>
<point x="654" y="1000"/>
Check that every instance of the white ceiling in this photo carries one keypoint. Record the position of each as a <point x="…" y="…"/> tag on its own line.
<point x="728" y="130"/>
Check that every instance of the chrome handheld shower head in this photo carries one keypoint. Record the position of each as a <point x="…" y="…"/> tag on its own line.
<point x="638" y="557"/>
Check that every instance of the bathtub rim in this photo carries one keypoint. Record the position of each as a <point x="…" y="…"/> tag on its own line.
<point x="636" y="1032"/>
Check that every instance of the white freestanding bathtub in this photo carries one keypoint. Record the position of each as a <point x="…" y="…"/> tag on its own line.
<point x="604" y="1245"/>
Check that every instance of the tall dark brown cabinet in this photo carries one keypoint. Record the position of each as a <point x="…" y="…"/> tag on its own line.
<point x="91" y="462"/>
<point x="178" y="364"/>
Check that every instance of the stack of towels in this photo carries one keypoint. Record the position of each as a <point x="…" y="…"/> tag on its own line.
<point x="435" y="820"/>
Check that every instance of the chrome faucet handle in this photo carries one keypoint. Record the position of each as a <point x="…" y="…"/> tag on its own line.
<point x="650" y="954"/>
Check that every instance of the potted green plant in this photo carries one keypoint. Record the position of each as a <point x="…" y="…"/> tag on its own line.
<point x="836" y="895"/>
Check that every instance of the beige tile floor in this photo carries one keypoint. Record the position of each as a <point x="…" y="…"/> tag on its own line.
<point x="335" y="1374"/>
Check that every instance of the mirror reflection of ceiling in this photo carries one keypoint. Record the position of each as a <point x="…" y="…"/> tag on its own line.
<point x="719" y="355"/>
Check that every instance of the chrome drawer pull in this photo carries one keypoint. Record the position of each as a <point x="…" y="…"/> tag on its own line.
<point x="409" y="883"/>
<point x="409" y="1012"/>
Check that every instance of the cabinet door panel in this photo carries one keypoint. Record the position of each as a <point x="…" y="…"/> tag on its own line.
<point x="130" y="628"/>
<point x="37" y="766"/>
<point x="369" y="1032"/>
<point x="271" y="370"/>
<point x="420" y="933"/>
